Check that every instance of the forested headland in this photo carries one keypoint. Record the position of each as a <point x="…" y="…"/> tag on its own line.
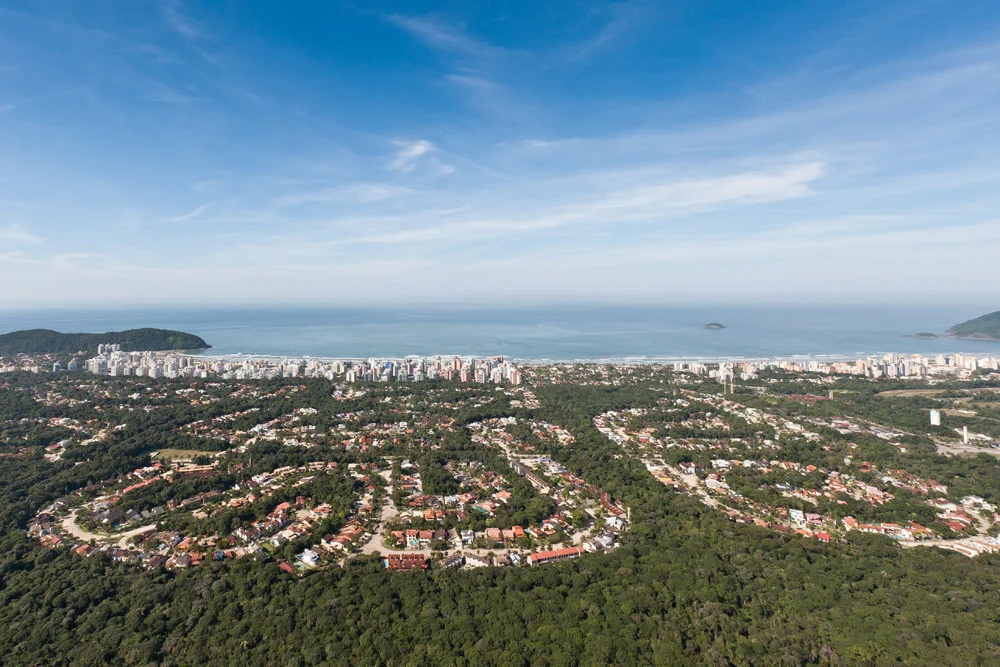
<point x="46" y="341"/>
<point x="984" y="326"/>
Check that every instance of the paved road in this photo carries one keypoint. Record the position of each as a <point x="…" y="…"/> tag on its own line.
<point x="907" y="544"/>
<point x="947" y="448"/>
<point x="70" y="526"/>
<point x="693" y="483"/>
<point x="389" y="511"/>
<point x="969" y="450"/>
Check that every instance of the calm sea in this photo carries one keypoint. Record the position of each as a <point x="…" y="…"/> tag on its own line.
<point x="556" y="333"/>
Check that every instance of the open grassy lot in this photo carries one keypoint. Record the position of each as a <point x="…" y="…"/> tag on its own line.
<point x="180" y="454"/>
<point x="907" y="393"/>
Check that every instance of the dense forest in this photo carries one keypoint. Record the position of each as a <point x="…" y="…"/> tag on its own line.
<point x="687" y="586"/>
<point x="691" y="587"/>
<point x="46" y="341"/>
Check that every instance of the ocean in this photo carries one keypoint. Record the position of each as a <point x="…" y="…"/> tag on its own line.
<point x="561" y="333"/>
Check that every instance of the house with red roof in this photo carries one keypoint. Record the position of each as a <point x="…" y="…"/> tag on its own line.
<point x="543" y="557"/>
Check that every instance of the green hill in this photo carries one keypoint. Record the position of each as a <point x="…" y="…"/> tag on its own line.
<point x="46" y="341"/>
<point x="984" y="326"/>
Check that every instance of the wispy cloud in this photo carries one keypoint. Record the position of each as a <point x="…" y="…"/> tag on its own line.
<point x="190" y="215"/>
<point x="31" y="99"/>
<point x="180" y="23"/>
<point x="367" y="193"/>
<point x="448" y="37"/>
<point x="18" y="234"/>
<point x="514" y="143"/>
<point x="660" y="199"/>
<point x="648" y="203"/>
<point x="160" y="92"/>
<point x="409" y="153"/>
<point x="541" y="143"/>
<point x="193" y="33"/>
<point x="488" y="76"/>
<point x="620" y="18"/>
<point x="476" y="83"/>
<point x="492" y="98"/>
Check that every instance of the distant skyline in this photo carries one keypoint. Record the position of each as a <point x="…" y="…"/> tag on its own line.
<point x="395" y="153"/>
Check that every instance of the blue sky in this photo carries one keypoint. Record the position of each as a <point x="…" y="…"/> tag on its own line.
<point x="377" y="153"/>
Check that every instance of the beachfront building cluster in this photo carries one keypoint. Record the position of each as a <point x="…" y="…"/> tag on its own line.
<point x="887" y="366"/>
<point x="110" y="360"/>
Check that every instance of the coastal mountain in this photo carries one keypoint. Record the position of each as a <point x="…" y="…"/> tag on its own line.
<point x="46" y="341"/>
<point x="983" y="327"/>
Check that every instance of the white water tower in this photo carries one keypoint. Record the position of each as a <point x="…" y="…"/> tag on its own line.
<point x="935" y="417"/>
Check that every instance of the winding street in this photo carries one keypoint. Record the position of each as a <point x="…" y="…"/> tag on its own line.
<point x="389" y="511"/>
<point x="70" y="526"/>
<point x="692" y="482"/>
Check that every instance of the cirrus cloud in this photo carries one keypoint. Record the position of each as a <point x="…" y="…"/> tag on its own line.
<point x="409" y="154"/>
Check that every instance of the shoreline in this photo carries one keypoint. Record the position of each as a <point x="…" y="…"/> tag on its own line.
<point x="929" y="336"/>
<point x="635" y="360"/>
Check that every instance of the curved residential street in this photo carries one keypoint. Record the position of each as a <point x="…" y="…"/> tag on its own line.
<point x="70" y="526"/>
<point x="389" y="511"/>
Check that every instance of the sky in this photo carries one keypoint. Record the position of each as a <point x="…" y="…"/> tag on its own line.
<point x="377" y="153"/>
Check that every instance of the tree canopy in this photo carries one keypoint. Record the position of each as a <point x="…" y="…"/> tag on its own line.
<point x="46" y="341"/>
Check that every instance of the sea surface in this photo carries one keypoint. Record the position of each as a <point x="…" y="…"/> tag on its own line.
<point x="562" y="333"/>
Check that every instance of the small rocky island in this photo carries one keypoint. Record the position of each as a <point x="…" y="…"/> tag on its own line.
<point x="712" y="325"/>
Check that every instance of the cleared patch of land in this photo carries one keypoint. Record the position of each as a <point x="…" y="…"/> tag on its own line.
<point x="907" y="393"/>
<point x="959" y="449"/>
<point x="180" y="454"/>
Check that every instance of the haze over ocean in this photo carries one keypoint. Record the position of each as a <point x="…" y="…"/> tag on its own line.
<point x="555" y="332"/>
